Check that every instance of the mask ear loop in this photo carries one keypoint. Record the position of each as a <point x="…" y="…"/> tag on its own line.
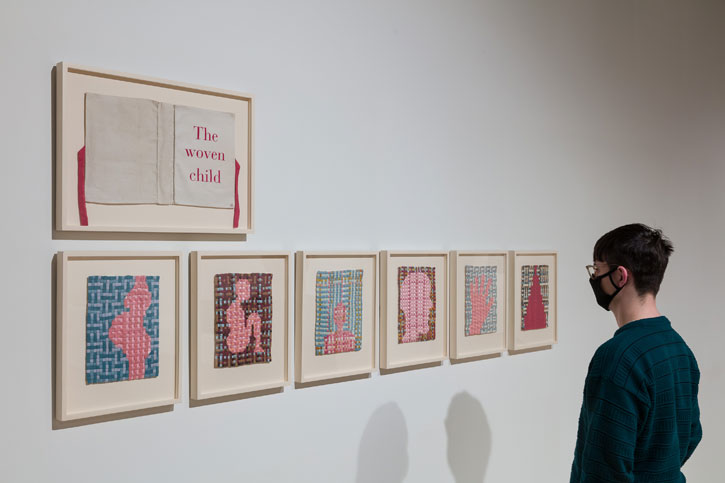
<point x="616" y="288"/>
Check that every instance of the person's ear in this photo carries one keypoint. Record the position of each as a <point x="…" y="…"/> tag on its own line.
<point x="623" y="276"/>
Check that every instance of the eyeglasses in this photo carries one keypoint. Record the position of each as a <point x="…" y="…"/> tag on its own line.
<point x="592" y="271"/>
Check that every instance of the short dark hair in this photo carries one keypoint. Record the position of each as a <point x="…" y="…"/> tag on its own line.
<point x="642" y="250"/>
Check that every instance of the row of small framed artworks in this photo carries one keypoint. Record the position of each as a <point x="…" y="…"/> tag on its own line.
<point x="118" y="322"/>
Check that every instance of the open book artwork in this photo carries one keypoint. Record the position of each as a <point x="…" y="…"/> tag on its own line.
<point x="140" y="151"/>
<point x="122" y="328"/>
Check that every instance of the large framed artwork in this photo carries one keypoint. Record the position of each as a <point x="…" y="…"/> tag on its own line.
<point x="336" y="314"/>
<point x="413" y="308"/>
<point x="533" y="299"/>
<point x="239" y="322"/>
<point x="117" y="332"/>
<point x="479" y="301"/>
<point x="139" y="154"/>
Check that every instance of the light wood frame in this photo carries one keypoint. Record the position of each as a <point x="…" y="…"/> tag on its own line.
<point x="521" y="339"/>
<point x="394" y="355"/>
<point x="461" y="345"/>
<point x="308" y="366"/>
<point x="74" y="398"/>
<point x="207" y="382"/>
<point x="72" y="83"/>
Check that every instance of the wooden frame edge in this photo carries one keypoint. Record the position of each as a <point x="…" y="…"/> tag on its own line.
<point x="193" y="324"/>
<point x="198" y="256"/>
<point x="64" y="69"/>
<point x="511" y="343"/>
<point x="453" y="307"/>
<point x="299" y="267"/>
<point x="385" y="257"/>
<point x="63" y="259"/>
<point x="383" y="310"/>
<point x="455" y="354"/>
<point x="300" y="257"/>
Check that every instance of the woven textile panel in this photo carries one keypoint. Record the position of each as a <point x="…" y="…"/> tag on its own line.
<point x="242" y="319"/>
<point x="122" y="328"/>
<point x="480" y="303"/>
<point x="338" y="311"/>
<point x="534" y="297"/>
<point x="416" y="304"/>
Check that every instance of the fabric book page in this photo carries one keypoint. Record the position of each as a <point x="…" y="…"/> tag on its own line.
<point x="121" y="150"/>
<point x="204" y="172"/>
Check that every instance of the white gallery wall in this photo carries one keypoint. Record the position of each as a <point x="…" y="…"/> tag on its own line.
<point x="389" y="125"/>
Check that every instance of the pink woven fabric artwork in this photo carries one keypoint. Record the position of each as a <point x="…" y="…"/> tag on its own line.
<point x="480" y="300"/>
<point x="534" y="297"/>
<point x="241" y="330"/>
<point x="416" y="304"/>
<point x="341" y="340"/>
<point x="243" y="319"/>
<point x="127" y="329"/>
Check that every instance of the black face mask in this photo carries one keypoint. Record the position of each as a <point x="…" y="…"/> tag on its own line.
<point x="603" y="298"/>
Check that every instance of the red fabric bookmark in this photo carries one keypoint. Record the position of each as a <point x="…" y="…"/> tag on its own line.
<point x="237" y="168"/>
<point x="82" y="186"/>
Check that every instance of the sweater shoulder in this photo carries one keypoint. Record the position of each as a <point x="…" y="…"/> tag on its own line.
<point x="633" y="357"/>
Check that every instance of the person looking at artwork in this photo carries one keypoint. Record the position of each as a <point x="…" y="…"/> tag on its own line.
<point x="640" y="420"/>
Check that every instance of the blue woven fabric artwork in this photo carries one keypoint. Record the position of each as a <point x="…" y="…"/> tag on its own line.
<point x="122" y="328"/>
<point x="338" y="311"/>
<point x="480" y="302"/>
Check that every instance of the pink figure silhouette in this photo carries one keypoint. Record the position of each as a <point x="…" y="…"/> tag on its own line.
<point x="241" y="329"/>
<point x="480" y="304"/>
<point x="415" y="303"/>
<point x="535" y="317"/>
<point x="127" y="331"/>
<point x="341" y="340"/>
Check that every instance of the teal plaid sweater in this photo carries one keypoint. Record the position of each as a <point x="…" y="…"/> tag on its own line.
<point x="640" y="420"/>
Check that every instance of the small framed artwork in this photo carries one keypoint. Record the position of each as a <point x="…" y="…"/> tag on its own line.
<point x="239" y="322"/>
<point x="533" y="299"/>
<point x="413" y="308"/>
<point x="138" y="154"/>
<point x="478" y="303"/>
<point x="336" y="314"/>
<point x="117" y="332"/>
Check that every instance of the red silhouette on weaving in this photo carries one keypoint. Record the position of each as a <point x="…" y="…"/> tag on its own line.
<point x="127" y="330"/>
<point x="535" y="317"/>
<point x="341" y="340"/>
<point x="242" y="330"/>
<point x="481" y="303"/>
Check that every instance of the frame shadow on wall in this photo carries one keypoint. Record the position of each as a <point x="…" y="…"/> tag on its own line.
<point x="527" y="351"/>
<point x="383" y="451"/>
<point x="484" y="357"/>
<point x="80" y="235"/>
<point x="196" y="403"/>
<point x="55" y="423"/>
<point x="469" y="438"/>
<point x="414" y="367"/>
<point x="334" y="380"/>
